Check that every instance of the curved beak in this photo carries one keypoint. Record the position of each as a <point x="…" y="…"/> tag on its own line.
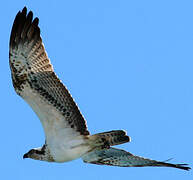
<point x="25" y="156"/>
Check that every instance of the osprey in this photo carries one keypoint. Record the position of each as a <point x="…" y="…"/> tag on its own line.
<point x="66" y="133"/>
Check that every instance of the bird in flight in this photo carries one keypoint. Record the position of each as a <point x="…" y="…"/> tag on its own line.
<point x="66" y="133"/>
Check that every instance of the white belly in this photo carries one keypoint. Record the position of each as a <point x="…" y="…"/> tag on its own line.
<point x="67" y="151"/>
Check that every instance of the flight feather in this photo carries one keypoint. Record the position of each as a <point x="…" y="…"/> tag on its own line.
<point x="32" y="71"/>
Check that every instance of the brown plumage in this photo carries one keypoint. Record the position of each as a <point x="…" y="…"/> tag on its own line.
<point x="31" y="66"/>
<point x="67" y="136"/>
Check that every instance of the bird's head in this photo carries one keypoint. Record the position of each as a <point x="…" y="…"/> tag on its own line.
<point x="42" y="154"/>
<point x="36" y="154"/>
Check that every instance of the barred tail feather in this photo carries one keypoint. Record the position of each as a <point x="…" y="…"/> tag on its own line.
<point x="111" y="138"/>
<point x="118" y="157"/>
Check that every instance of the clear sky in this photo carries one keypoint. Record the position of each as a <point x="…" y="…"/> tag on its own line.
<point x="128" y="65"/>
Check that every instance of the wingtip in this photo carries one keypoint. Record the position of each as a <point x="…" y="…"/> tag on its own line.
<point x="36" y="21"/>
<point x="183" y="166"/>
<point x="24" y="10"/>
<point x="24" y="27"/>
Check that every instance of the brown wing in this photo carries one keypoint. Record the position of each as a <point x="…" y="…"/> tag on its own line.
<point x="34" y="79"/>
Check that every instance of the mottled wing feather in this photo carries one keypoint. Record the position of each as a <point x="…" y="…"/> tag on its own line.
<point x="33" y="76"/>
<point x="119" y="157"/>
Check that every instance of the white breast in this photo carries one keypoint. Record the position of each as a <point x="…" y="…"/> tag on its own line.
<point x="64" y="143"/>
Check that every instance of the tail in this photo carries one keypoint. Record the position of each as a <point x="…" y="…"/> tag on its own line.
<point x="110" y="138"/>
<point x="118" y="157"/>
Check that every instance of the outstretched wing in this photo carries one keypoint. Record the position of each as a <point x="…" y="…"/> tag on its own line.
<point x="119" y="157"/>
<point x="35" y="81"/>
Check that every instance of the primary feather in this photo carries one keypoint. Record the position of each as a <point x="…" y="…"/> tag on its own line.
<point x="67" y="136"/>
<point x="32" y="71"/>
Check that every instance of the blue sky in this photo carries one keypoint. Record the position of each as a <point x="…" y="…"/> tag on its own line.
<point x="128" y="65"/>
